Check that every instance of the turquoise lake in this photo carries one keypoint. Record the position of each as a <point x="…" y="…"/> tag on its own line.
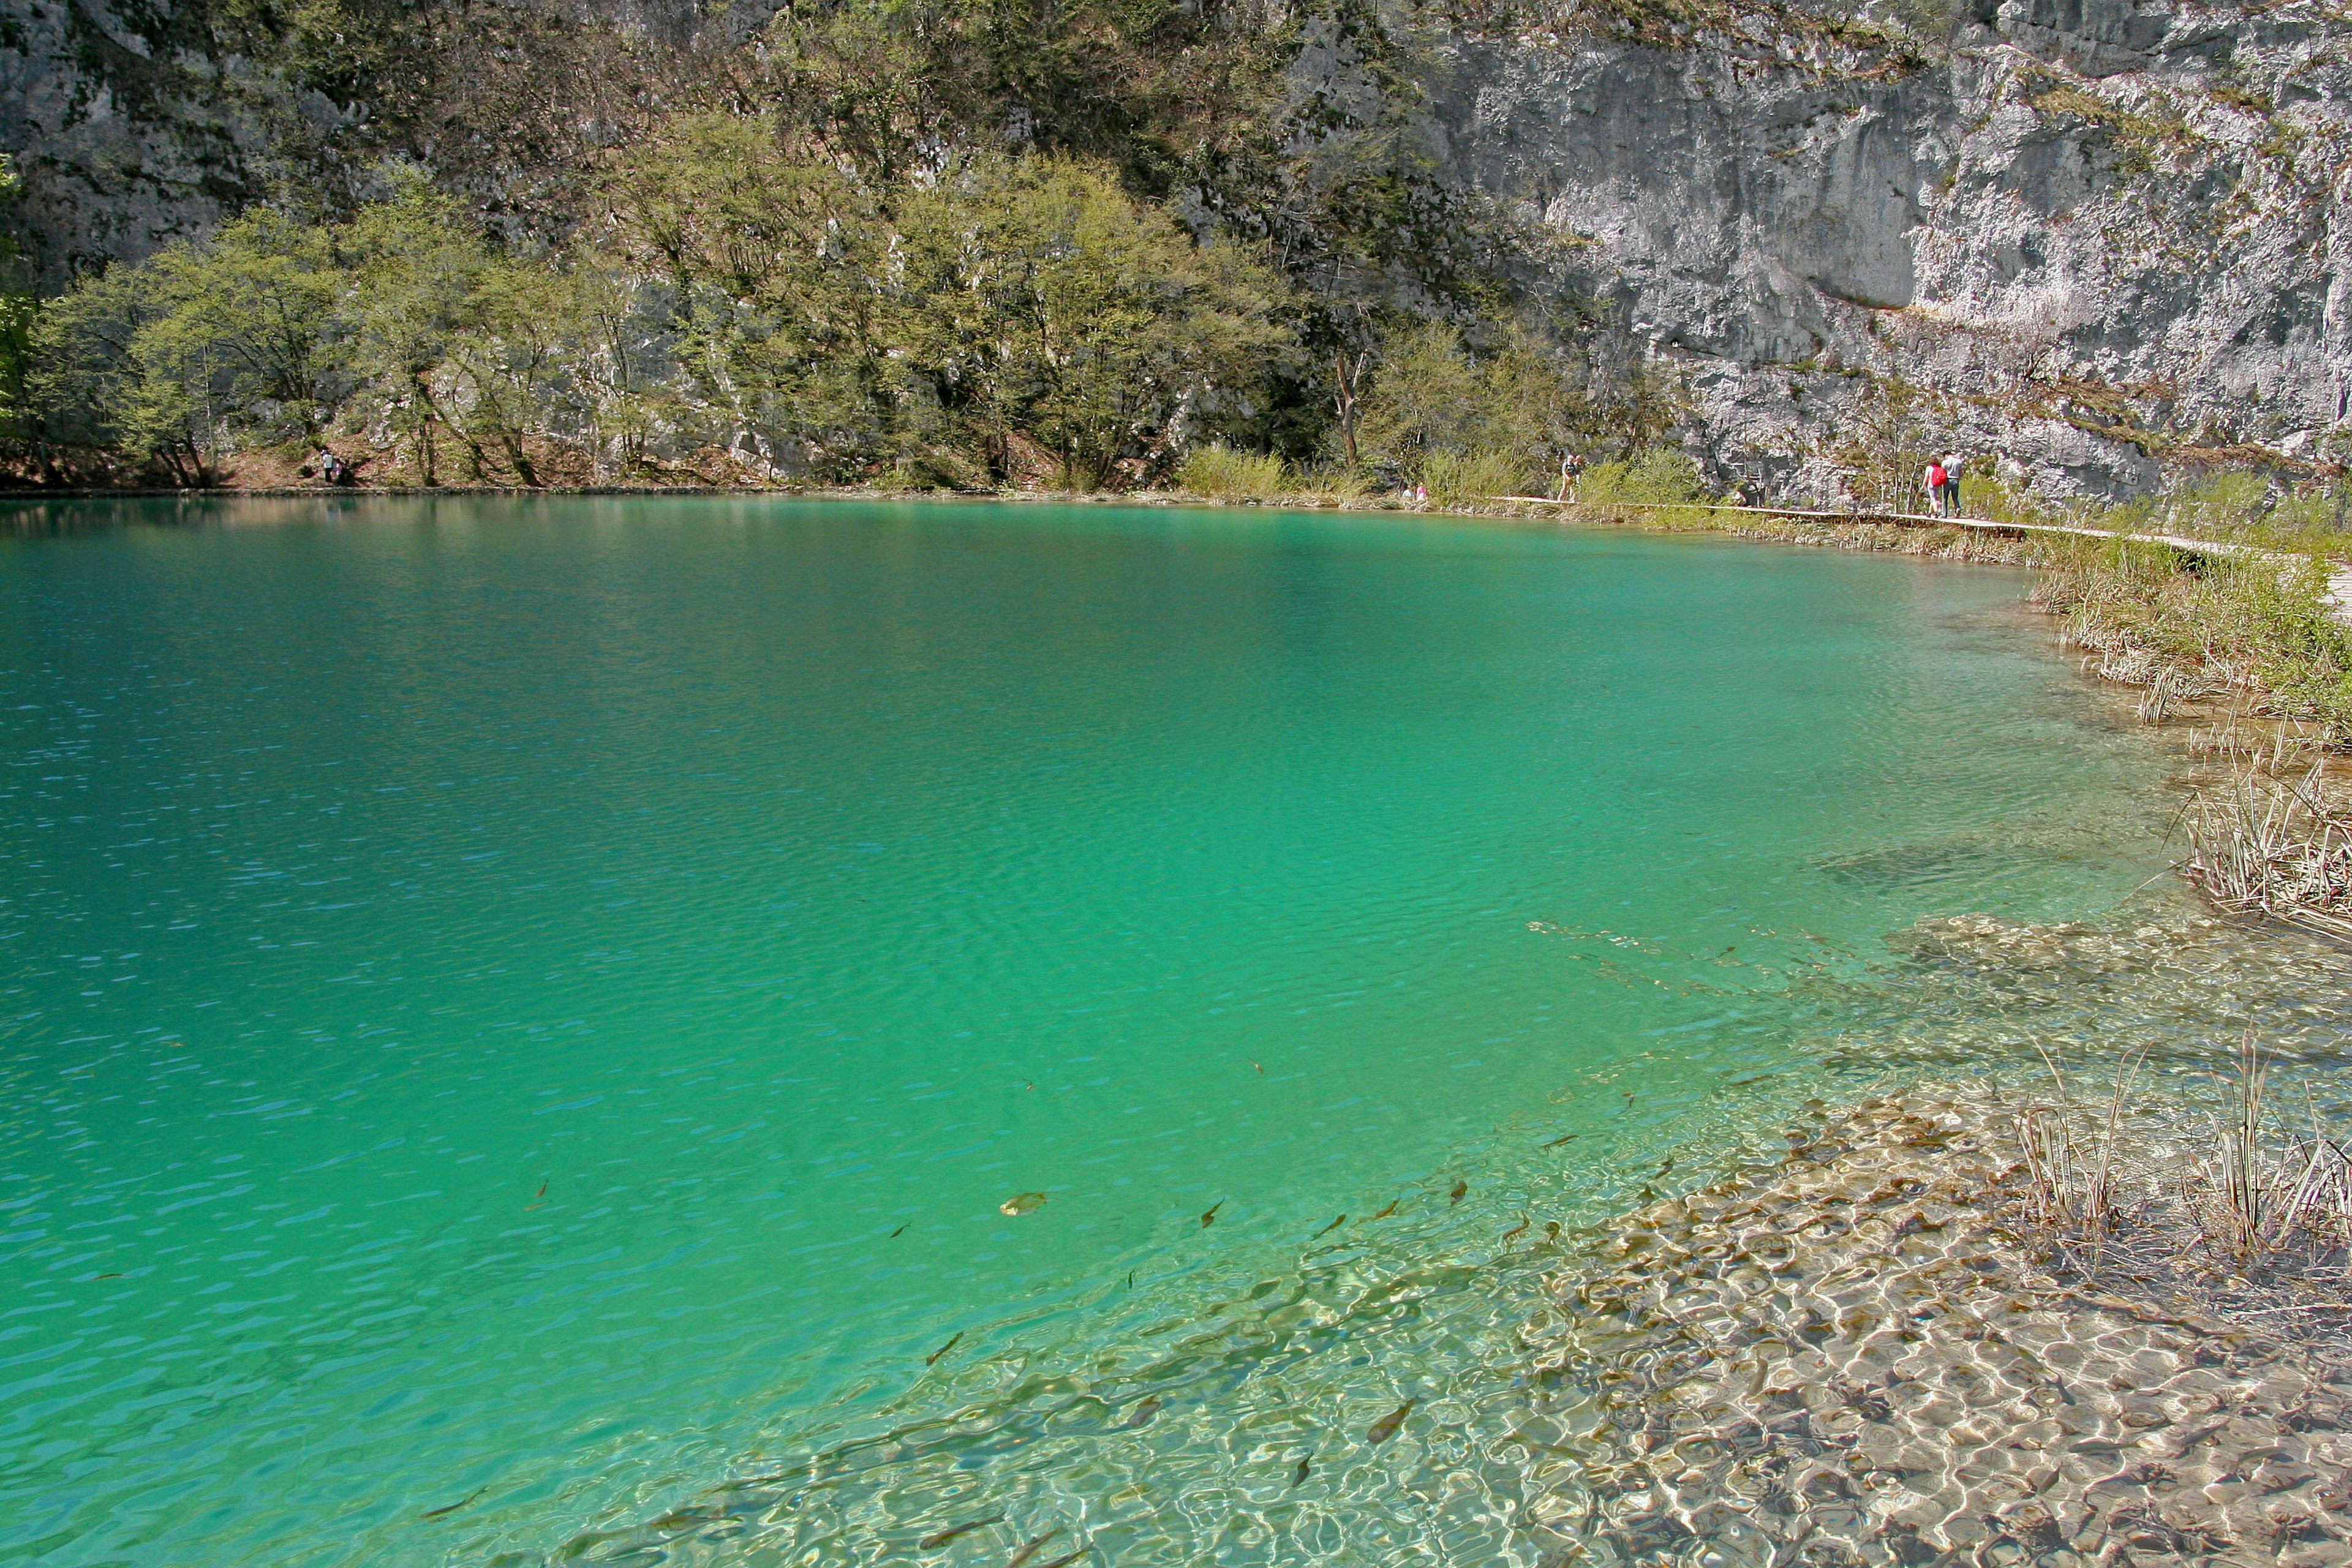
<point x="517" y="1019"/>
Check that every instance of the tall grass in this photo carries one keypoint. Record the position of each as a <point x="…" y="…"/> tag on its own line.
<point x="2218" y="625"/>
<point x="2252" y="1198"/>
<point x="1465" y="479"/>
<point x="1220" y="473"/>
<point x="1658" y="487"/>
<point x="2272" y="846"/>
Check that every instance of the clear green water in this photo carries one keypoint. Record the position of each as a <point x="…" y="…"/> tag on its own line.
<point x="541" y="1002"/>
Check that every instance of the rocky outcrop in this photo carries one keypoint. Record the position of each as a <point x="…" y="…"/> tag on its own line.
<point x="2104" y="241"/>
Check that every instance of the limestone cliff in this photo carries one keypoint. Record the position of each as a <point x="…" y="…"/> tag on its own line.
<point x="2104" y="240"/>
<point x="2098" y="239"/>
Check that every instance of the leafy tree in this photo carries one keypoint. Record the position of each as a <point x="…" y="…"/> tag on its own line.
<point x="1050" y="303"/>
<point x="236" y="336"/>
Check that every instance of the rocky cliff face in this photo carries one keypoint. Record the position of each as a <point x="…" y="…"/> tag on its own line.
<point x="2103" y="240"/>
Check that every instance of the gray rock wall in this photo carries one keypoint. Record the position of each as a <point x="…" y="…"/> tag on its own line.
<point x="2102" y="241"/>
<point x="2105" y="241"/>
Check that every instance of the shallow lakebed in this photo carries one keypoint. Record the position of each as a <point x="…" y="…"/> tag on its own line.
<point x="517" y="1019"/>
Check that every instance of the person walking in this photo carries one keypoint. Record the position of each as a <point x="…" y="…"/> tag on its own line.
<point x="1571" y="465"/>
<point x="1951" y="484"/>
<point x="1933" y="483"/>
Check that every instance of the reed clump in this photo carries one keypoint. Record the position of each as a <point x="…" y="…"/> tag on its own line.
<point x="2259" y="844"/>
<point x="2130" y="1189"/>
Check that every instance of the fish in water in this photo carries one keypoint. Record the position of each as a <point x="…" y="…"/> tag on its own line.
<point x="1020" y="1203"/>
<point x="1328" y="1228"/>
<point x="1629" y="1099"/>
<point x="1144" y="1412"/>
<point x="1567" y="1138"/>
<point x="454" y="1507"/>
<point x="1030" y="1551"/>
<point x="1519" y="1229"/>
<point x="1668" y="1166"/>
<point x="1460" y="1189"/>
<point x="1386" y="1427"/>
<point x="106" y="1277"/>
<point x="1261" y="1071"/>
<point x="933" y="1359"/>
<point x="1390" y="1210"/>
<point x="934" y="1542"/>
<point x="1210" y="1217"/>
<point x="1065" y="1561"/>
<point x="1551" y="1230"/>
<point x="1298" y="1476"/>
<point x="900" y="1231"/>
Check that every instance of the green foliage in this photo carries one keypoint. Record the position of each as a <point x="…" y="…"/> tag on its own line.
<point x="201" y="345"/>
<point x="2245" y="621"/>
<point x="1432" y="395"/>
<point x="1659" y="476"/>
<point x="1220" y="473"/>
<point x="1049" y="304"/>
<point x="1465" y="479"/>
<point x="19" y="313"/>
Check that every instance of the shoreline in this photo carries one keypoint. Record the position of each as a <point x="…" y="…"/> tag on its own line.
<point x="1860" y="1350"/>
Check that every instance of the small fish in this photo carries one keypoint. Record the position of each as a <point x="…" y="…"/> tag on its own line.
<point x="1210" y="1217"/>
<point x="1518" y="1229"/>
<point x="934" y="1542"/>
<point x="1065" y="1561"/>
<point x="1668" y="1166"/>
<point x="1328" y="1228"/>
<point x="1459" y="1190"/>
<point x="900" y="1231"/>
<point x="1261" y="1071"/>
<point x="1551" y="1230"/>
<point x="1020" y="1203"/>
<point x="1569" y="1138"/>
<point x="1144" y="1412"/>
<point x="1390" y="1210"/>
<point x="1298" y="1476"/>
<point x="454" y="1507"/>
<point x="1030" y="1551"/>
<point x="1130" y="1279"/>
<point x="1028" y="1085"/>
<point x="542" y="1191"/>
<point x="933" y="1359"/>
<point x="1629" y="1099"/>
<point x="1386" y="1427"/>
<point x="95" y="1278"/>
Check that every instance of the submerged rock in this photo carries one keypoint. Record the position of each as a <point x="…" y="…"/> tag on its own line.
<point x="1857" y="1357"/>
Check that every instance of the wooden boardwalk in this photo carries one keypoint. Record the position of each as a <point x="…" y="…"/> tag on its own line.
<point x="2340" y="577"/>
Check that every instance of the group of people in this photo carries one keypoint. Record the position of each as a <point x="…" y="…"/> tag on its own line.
<point x="333" y="470"/>
<point x="1942" y="483"/>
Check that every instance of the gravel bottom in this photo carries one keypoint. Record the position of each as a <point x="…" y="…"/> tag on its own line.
<point x="1861" y="1355"/>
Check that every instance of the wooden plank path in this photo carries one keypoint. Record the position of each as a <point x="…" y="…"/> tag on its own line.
<point x="2340" y="577"/>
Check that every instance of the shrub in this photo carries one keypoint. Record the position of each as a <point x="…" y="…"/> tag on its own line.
<point x="1465" y="479"/>
<point x="1220" y="473"/>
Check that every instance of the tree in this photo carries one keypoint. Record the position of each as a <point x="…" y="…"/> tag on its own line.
<point x="236" y="336"/>
<point x="1051" y="304"/>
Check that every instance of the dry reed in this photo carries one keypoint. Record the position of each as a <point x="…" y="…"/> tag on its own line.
<point x="2282" y="848"/>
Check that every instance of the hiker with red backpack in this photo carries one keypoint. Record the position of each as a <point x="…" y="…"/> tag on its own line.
<point x="1934" y="484"/>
